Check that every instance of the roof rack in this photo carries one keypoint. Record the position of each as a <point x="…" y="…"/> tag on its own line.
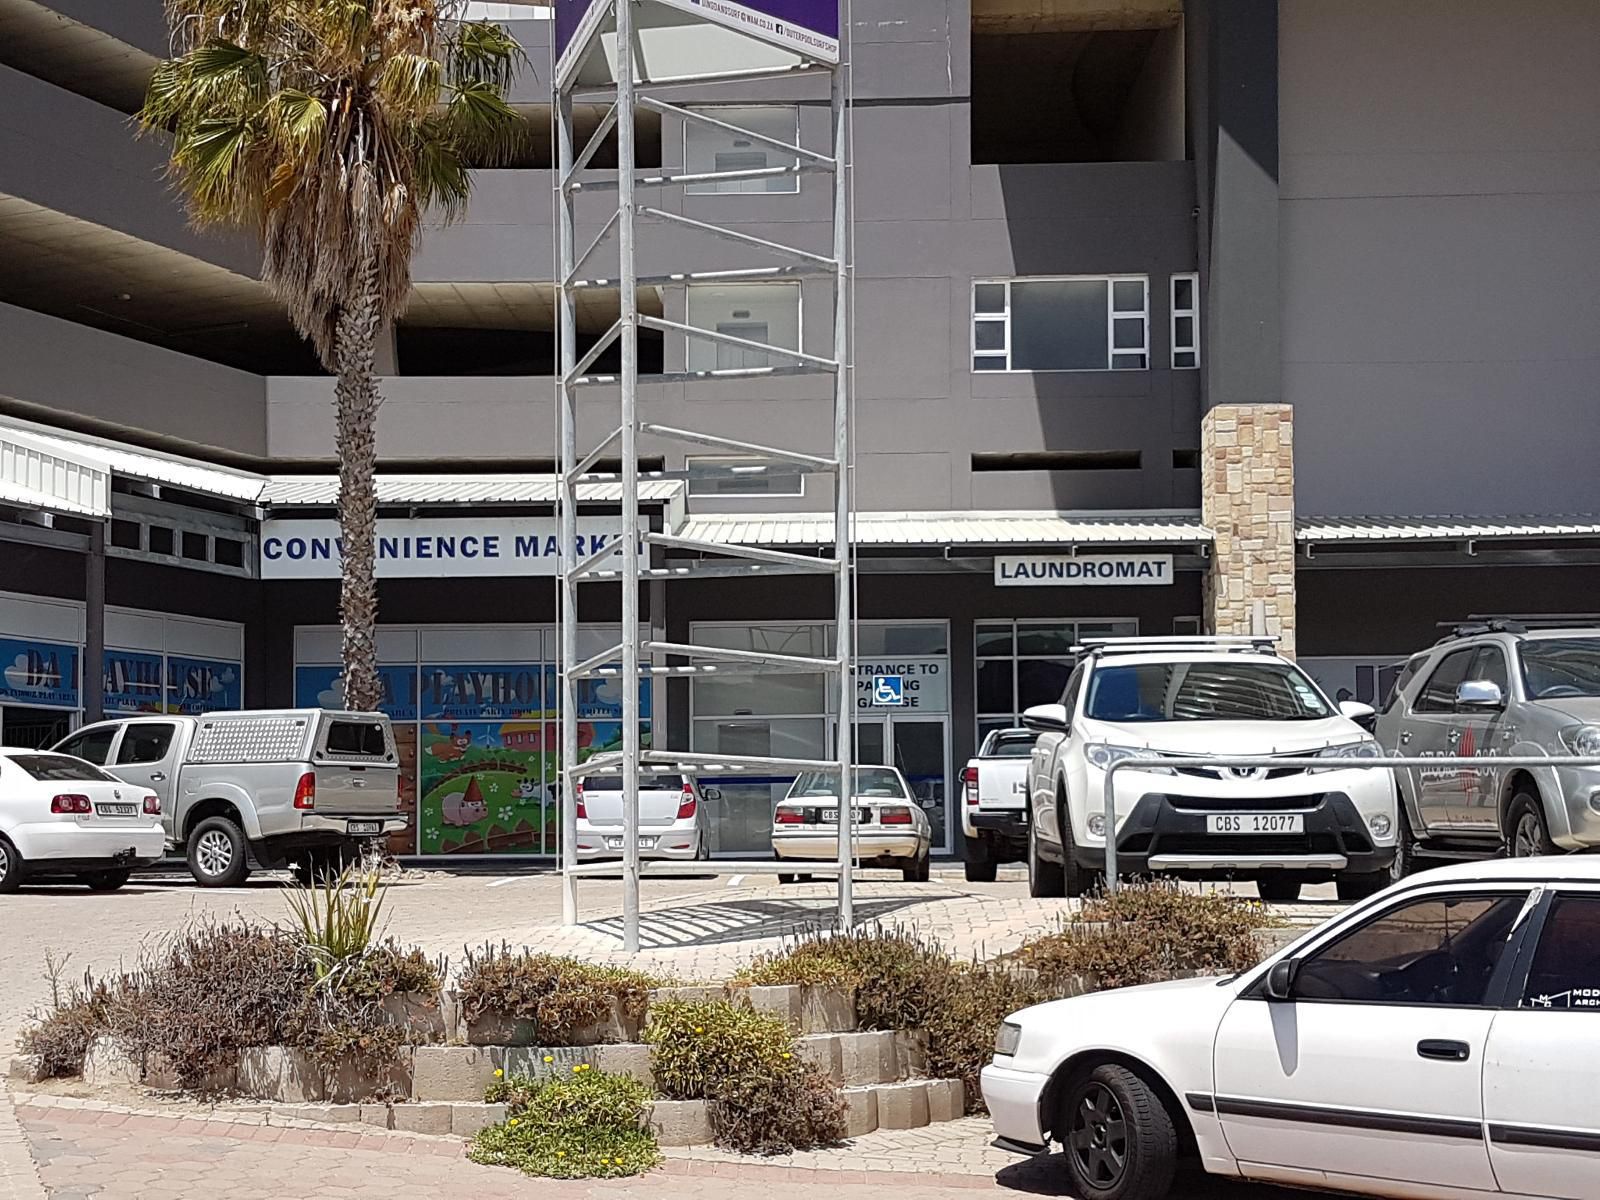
<point x="1238" y="643"/>
<point x="1475" y="627"/>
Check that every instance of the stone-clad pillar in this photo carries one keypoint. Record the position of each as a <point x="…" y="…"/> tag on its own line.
<point x="1247" y="501"/>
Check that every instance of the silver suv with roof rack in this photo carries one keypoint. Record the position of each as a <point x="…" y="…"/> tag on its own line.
<point x="1187" y="700"/>
<point x="1491" y="689"/>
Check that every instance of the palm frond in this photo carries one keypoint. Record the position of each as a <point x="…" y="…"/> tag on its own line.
<point x="299" y="122"/>
<point x="411" y="82"/>
<point x="483" y="52"/>
<point x="212" y="157"/>
<point x="481" y="123"/>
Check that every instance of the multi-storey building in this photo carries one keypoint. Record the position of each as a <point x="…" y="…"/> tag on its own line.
<point x="1170" y="315"/>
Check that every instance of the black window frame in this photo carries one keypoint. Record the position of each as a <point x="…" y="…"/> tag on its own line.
<point x="1475" y="670"/>
<point x="86" y="731"/>
<point x="1468" y="655"/>
<point x="1533" y="936"/>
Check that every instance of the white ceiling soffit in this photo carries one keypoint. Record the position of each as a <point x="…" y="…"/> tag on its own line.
<point x="1444" y="528"/>
<point x="956" y="528"/>
<point x="35" y="474"/>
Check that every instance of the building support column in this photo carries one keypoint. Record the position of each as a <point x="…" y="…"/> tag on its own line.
<point x="1247" y="501"/>
<point x="92" y="685"/>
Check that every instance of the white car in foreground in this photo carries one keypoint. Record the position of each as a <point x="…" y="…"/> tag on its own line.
<point x="61" y="816"/>
<point x="889" y="829"/>
<point x="1182" y="700"/>
<point x="1440" y="1040"/>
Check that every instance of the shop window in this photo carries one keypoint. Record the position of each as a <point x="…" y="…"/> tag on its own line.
<point x="1074" y="323"/>
<point x="752" y="476"/>
<point x="1021" y="663"/>
<point x="1185" y="321"/>
<point x="764" y="313"/>
<point x="227" y="552"/>
<point x="706" y="149"/>
<point x="162" y="540"/>
<point x="125" y="534"/>
<point x="194" y="547"/>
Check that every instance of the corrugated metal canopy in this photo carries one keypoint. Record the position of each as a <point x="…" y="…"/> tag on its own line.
<point x="146" y="465"/>
<point x="36" y="473"/>
<point x="955" y="528"/>
<point x="322" y="491"/>
<point x="1443" y="528"/>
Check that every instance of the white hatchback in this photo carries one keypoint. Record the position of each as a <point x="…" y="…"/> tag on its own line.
<point x="672" y="818"/>
<point x="1441" y="1040"/>
<point x="61" y="816"/>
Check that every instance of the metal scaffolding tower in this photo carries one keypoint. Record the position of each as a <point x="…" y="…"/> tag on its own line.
<point x="606" y="50"/>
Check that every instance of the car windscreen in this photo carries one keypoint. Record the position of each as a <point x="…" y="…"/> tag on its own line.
<point x="58" y="768"/>
<point x="1204" y="691"/>
<point x="1015" y="746"/>
<point x="1557" y="668"/>
<point x="647" y="783"/>
<point x="872" y="782"/>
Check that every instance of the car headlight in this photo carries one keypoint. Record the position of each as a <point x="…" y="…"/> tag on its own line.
<point x="1582" y="739"/>
<point x="1102" y="755"/>
<point x="1366" y="748"/>
<point x="1008" y="1039"/>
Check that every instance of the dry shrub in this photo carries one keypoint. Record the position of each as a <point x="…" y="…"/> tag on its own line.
<point x="893" y="975"/>
<point x="62" y="1036"/>
<point x="797" y="1108"/>
<point x="971" y="1001"/>
<point x="559" y="995"/>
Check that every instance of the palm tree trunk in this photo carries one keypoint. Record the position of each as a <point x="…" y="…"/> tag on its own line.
<point x="356" y="417"/>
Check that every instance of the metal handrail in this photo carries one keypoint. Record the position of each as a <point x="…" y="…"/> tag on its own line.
<point x="1309" y="762"/>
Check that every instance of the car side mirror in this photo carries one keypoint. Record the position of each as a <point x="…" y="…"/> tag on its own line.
<point x="1483" y="694"/>
<point x="1279" y="984"/>
<point x="711" y="793"/>
<point x="1357" y="711"/>
<point x="1047" y="718"/>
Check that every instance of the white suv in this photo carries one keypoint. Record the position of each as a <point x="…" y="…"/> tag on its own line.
<point x="1186" y="700"/>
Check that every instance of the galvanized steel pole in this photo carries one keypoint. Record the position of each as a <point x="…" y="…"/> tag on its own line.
<point x="567" y="332"/>
<point x="844" y="641"/>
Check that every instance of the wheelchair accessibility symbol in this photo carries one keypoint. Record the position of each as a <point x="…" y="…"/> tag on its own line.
<point x="888" y="691"/>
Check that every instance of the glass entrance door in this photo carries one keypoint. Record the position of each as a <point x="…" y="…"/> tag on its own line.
<point x="33" y="728"/>
<point x="921" y="751"/>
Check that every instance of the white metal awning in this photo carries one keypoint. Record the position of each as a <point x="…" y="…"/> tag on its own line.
<point x="322" y="491"/>
<point x="954" y="528"/>
<point x="148" y="466"/>
<point x="1444" y="528"/>
<point x="36" y="473"/>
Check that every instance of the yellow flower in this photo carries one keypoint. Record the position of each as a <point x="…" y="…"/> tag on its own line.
<point x="549" y="1058"/>
<point x="786" y="1054"/>
<point x="499" y="1074"/>
<point x="513" y="1121"/>
<point x="561" y="1153"/>
<point x="697" y="1029"/>
<point x="577" y="1068"/>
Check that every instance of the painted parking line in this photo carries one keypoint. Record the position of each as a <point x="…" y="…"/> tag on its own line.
<point x="503" y="882"/>
<point x="736" y="881"/>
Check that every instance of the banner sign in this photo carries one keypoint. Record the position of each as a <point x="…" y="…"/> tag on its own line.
<point x="197" y="685"/>
<point x="1100" y="570"/>
<point x="431" y="547"/>
<point x="44" y="674"/>
<point x="135" y="682"/>
<point x="323" y="687"/>
<point x="576" y="22"/>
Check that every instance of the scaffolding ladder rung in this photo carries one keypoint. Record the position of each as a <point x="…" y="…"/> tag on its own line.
<point x="826" y="566"/>
<point x="586" y="668"/>
<point x="735" y="275"/>
<point x="815" y="462"/>
<point x="734" y="235"/>
<point x="703" y="570"/>
<point x="706" y="376"/>
<point x="684" y="178"/>
<point x="799" y="357"/>
<point x="578" y="473"/>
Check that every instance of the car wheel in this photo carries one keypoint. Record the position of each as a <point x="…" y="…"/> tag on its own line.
<point x="1530" y="836"/>
<point x="105" y="881"/>
<point x="10" y="867"/>
<point x="1358" y="887"/>
<point x="217" y="853"/>
<point x="918" y="871"/>
<point x="1279" y="889"/>
<point x="702" y="847"/>
<point x="785" y="879"/>
<point x="1405" y="847"/>
<point x="981" y="872"/>
<point x="1045" y="879"/>
<point x="1118" y="1137"/>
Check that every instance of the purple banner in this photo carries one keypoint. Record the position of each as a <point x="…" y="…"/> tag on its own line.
<point x="806" y="27"/>
<point x="569" y="16"/>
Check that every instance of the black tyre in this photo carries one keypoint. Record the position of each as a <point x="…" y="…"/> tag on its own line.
<point x="1118" y="1138"/>
<point x="1358" y="887"/>
<point x="981" y="872"/>
<point x="216" y="853"/>
<point x="10" y="867"/>
<point x="1405" y="847"/>
<point x="785" y="879"/>
<point x="1279" y="889"/>
<point x="917" y="872"/>
<point x="105" y="881"/>
<point x="1529" y="834"/>
<point x="702" y="847"/>
<point x="1045" y="878"/>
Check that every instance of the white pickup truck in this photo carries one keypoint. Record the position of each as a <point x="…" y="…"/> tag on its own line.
<point x="296" y="785"/>
<point x="994" y="809"/>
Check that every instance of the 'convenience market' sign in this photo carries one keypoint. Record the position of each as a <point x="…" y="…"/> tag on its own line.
<point x="1100" y="570"/>
<point x="432" y="548"/>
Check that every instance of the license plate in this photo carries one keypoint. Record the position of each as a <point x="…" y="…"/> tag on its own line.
<point x="1256" y="823"/>
<point x="357" y="828"/>
<point x="116" y="810"/>
<point x="645" y="843"/>
<point x="830" y="816"/>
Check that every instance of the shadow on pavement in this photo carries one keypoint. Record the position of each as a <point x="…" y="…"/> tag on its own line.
<point x="1046" y="1176"/>
<point x="715" y="924"/>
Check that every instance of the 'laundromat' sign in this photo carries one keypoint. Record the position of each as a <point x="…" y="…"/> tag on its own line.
<point x="1089" y="570"/>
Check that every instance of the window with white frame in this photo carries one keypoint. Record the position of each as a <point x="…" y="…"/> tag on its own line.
<point x="708" y="149"/>
<point x="1021" y="663"/>
<point x="755" y="312"/>
<point x="1185" y="321"/>
<point x="1072" y="323"/>
<point x="746" y="475"/>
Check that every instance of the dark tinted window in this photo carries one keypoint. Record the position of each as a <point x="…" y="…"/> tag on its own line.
<point x="1015" y="746"/>
<point x="647" y="783"/>
<point x="1556" y="668"/>
<point x="1438" y="695"/>
<point x="1403" y="681"/>
<point x="58" y="768"/>
<point x="1490" y="665"/>
<point x="1439" y="950"/>
<point x="357" y="737"/>
<point x="1203" y="691"/>
<point x="145" y="743"/>
<point x="92" y="744"/>
<point x="1566" y="968"/>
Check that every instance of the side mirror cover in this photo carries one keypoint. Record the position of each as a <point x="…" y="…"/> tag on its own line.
<point x="1357" y="711"/>
<point x="1278" y="987"/>
<point x="1482" y="694"/>
<point x="1047" y="718"/>
<point x="711" y="793"/>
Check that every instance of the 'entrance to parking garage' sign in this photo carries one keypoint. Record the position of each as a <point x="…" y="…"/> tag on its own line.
<point x="1088" y="570"/>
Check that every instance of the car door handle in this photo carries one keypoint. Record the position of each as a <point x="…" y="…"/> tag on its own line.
<point x="1405" y="737"/>
<point x="1444" y="1050"/>
<point x="1453" y="736"/>
<point x="157" y="776"/>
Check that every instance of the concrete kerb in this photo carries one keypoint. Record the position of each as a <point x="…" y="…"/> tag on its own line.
<point x="19" y="1176"/>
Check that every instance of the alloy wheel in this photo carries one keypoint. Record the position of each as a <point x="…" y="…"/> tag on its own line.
<point x="1529" y="840"/>
<point x="1098" y="1137"/>
<point x="5" y="861"/>
<point x="214" y="852"/>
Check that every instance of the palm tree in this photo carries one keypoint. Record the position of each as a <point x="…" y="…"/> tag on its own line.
<point x="328" y="128"/>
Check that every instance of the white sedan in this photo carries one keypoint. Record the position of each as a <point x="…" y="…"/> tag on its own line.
<point x="61" y="816"/>
<point x="889" y="828"/>
<point x="1423" y="1044"/>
